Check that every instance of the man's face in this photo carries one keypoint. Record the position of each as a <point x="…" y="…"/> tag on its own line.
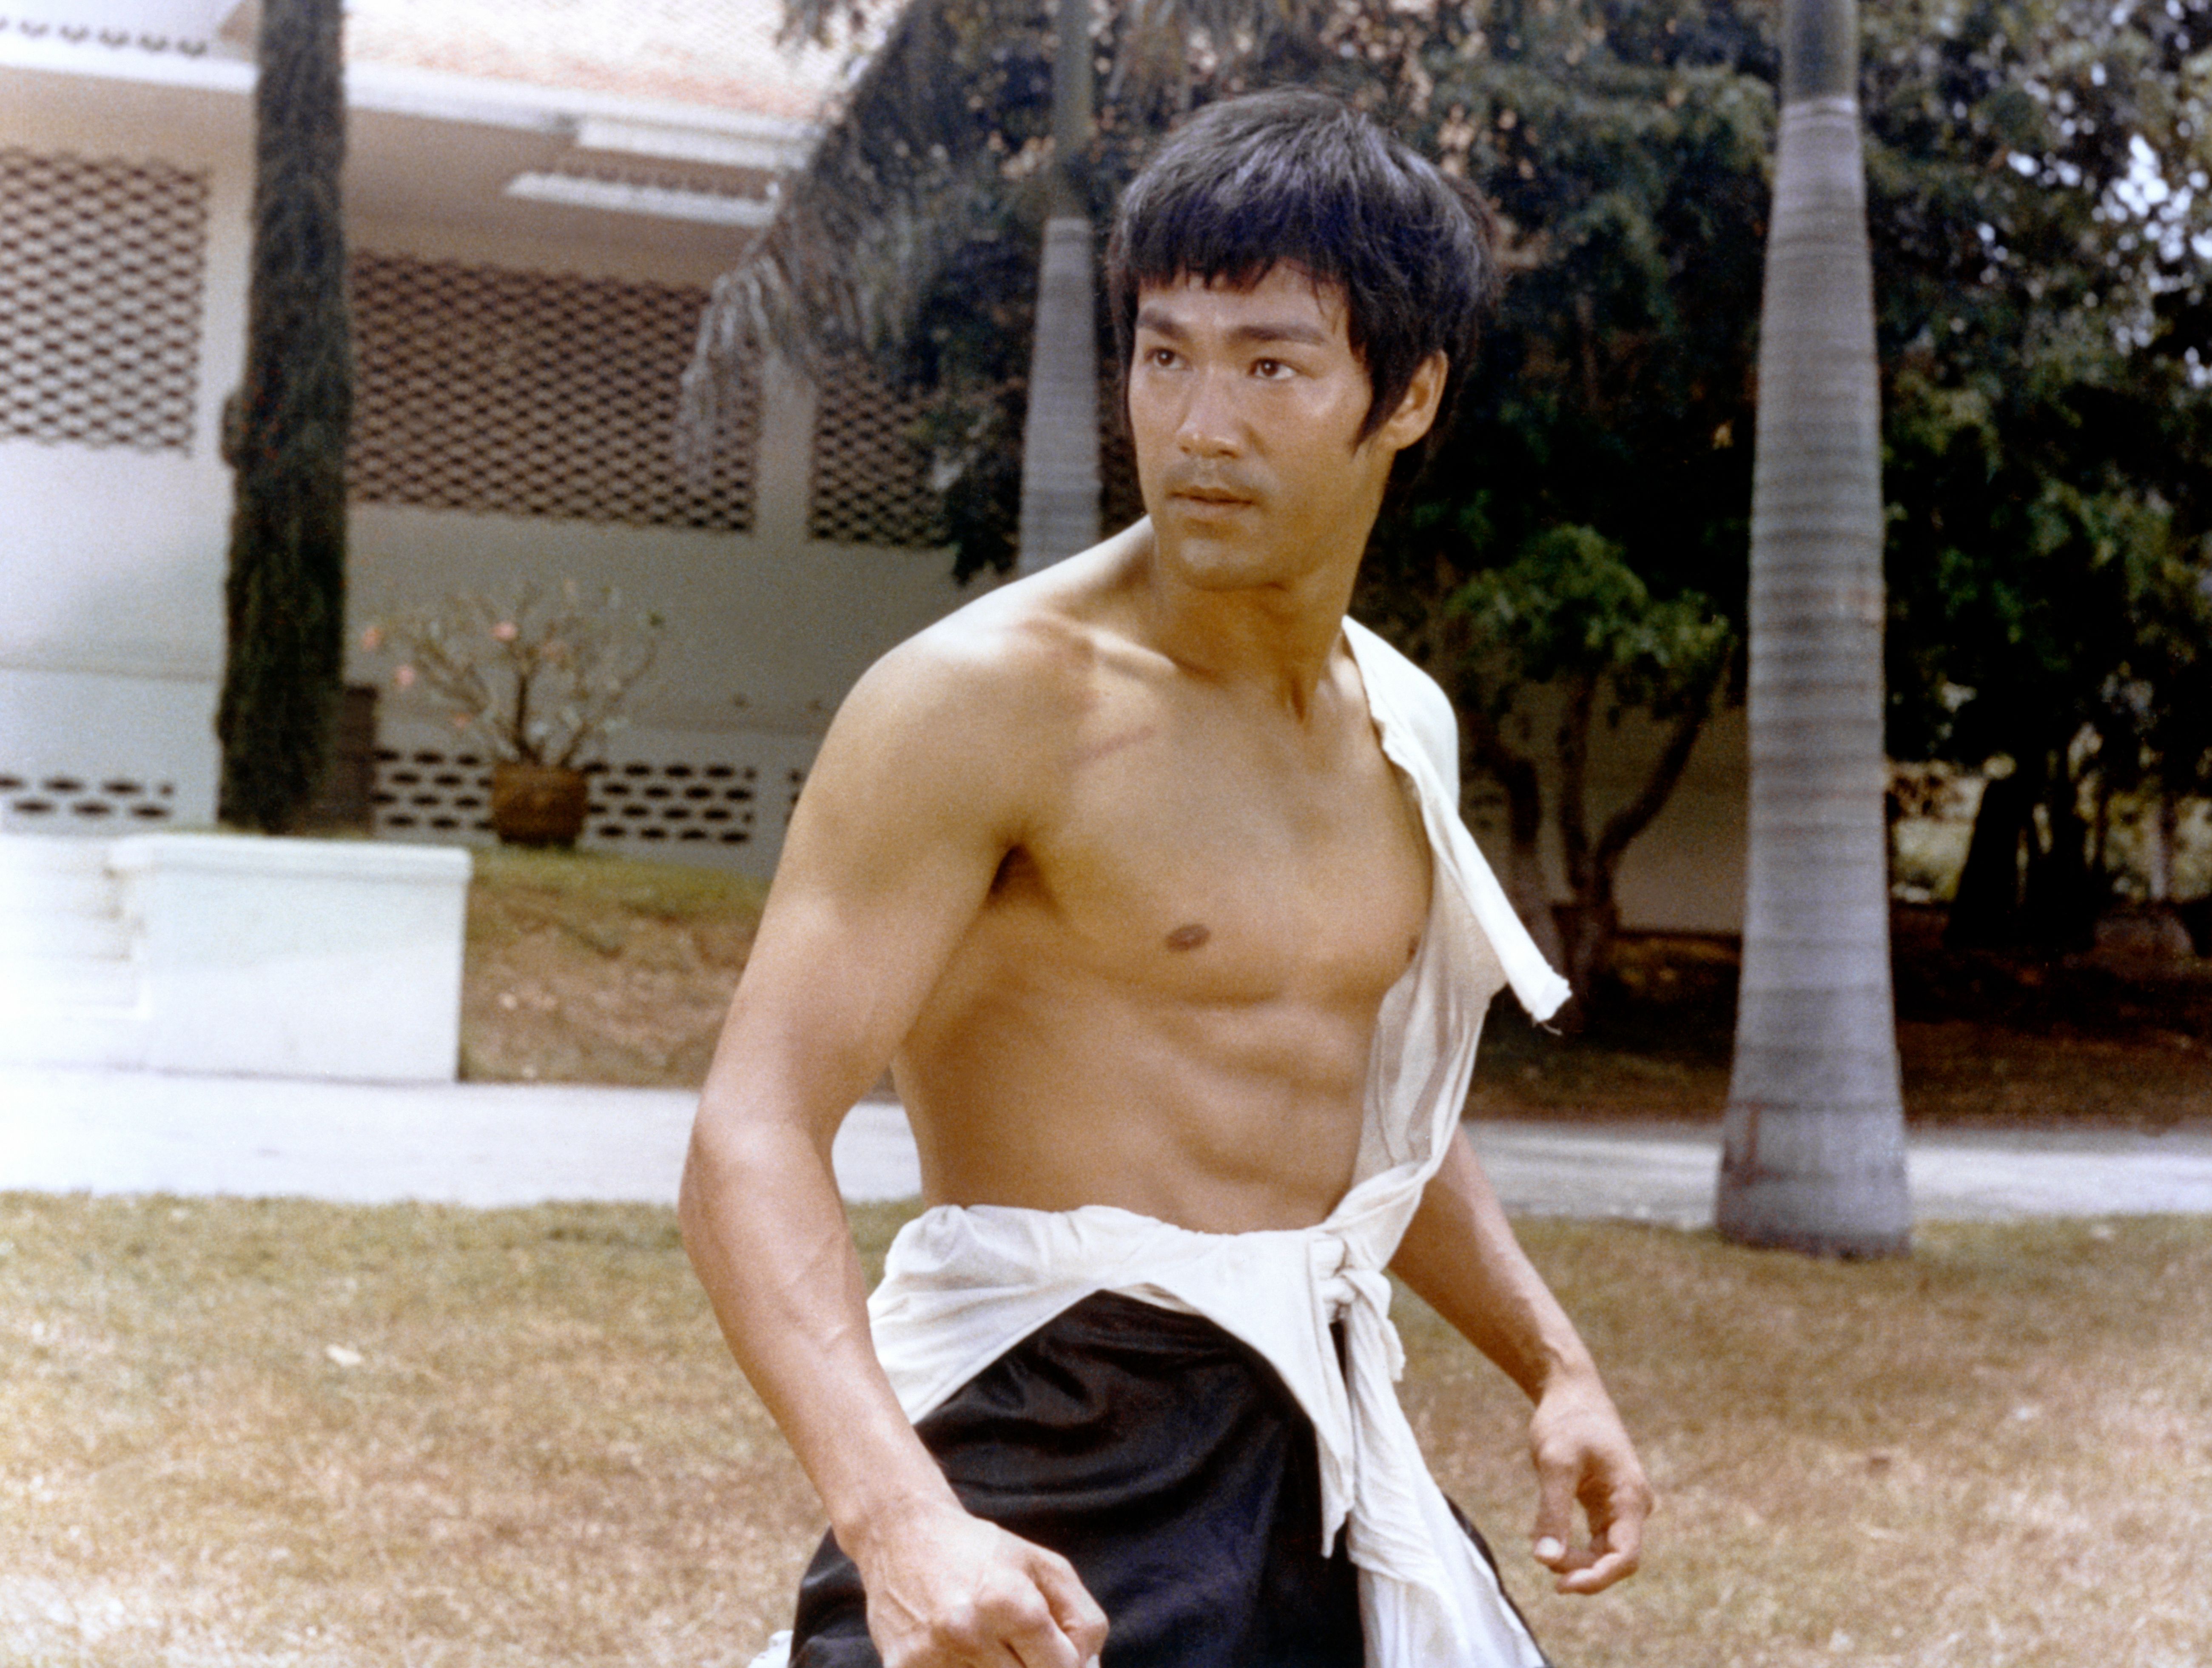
<point x="1244" y="405"/>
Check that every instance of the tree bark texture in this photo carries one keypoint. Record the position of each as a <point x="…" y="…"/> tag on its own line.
<point x="1593" y="864"/>
<point x="1813" y="1157"/>
<point x="1985" y="911"/>
<point x="1060" y="437"/>
<point x="285" y="593"/>
<point x="1484" y="751"/>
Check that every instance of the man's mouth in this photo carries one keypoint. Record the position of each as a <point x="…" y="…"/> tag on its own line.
<point x="1208" y="497"/>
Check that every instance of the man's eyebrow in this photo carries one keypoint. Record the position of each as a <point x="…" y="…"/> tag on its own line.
<point x="1161" y="321"/>
<point x="1287" y="330"/>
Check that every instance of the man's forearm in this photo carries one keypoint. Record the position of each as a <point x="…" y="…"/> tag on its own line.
<point x="1460" y="1256"/>
<point x="767" y="1232"/>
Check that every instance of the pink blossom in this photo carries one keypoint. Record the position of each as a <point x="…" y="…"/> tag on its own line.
<point x="506" y="631"/>
<point x="372" y="638"/>
<point x="403" y="677"/>
<point x="460" y="721"/>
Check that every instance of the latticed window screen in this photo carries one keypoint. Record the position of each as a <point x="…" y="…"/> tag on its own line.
<point x="100" y="300"/>
<point x="870" y="479"/>
<point x="532" y="394"/>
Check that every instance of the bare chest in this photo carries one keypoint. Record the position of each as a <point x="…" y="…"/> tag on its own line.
<point x="1206" y="863"/>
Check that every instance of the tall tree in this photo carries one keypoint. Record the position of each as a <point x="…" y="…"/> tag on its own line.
<point x="1059" y="440"/>
<point x="1813" y="1157"/>
<point x="2043" y="236"/>
<point x="1556" y="569"/>
<point x="286" y="436"/>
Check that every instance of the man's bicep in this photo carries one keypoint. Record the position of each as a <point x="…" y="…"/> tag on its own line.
<point x="891" y="851"/>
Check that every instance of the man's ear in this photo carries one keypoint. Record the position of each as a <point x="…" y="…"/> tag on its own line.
<point x="1417" y="408"/>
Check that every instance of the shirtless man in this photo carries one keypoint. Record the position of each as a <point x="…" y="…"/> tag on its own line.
<point x="1112" y="867"/>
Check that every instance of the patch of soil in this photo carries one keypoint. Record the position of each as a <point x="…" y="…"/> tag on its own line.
<point x="614" y="983"/>
<point x="599" y="971"/>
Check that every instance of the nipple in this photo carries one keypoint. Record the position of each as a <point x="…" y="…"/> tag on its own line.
<point x="1189" y="935"/>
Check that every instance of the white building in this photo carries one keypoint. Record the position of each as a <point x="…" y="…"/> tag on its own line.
<point x="537" y="195"/>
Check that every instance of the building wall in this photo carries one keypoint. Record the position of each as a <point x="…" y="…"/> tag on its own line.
<point x="769" y="623"/>
<point x="111" y="554"/>
<point x="112" y="560"/>
<point x="1685" y="873"/>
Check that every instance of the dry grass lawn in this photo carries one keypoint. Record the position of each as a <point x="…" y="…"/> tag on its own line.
<point x="242" y="1432"/>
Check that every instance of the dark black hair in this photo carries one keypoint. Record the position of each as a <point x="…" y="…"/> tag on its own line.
<point x="1297" y="177"/>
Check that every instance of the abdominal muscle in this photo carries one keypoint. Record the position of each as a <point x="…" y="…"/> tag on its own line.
<point x="1054" y="1092"/>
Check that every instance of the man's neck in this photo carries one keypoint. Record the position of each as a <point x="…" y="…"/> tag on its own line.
<point x="1276" y="639"/>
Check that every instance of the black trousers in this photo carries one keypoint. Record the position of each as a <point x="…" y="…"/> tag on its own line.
<point x="1169" y="1464"/>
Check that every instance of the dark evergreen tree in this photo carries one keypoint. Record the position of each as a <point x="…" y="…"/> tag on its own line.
<point x="286" y="436"/>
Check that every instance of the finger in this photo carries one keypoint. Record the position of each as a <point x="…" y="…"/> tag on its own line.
<point x="1600" y="1574"/>
<point x="1617" y="1515"/>
<point x="1072" y="1607"/>
<point x="1555" y="1512"/>
<point x="1614" y="1554"/>
<point x="1028" y="1632"/>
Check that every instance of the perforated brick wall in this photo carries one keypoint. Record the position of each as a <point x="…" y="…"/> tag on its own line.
<point x="100" y="265"/>
<point x="636" y="805"/>
<point x="869" y="484"/>
<point x="59" y="804"/>
<point x="532" y="394"/>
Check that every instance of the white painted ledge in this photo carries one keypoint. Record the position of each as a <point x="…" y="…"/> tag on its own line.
<point x="289" y="958"/>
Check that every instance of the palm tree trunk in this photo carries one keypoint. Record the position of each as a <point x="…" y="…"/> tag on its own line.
<point x="285" y="593"/>
<point x="1060" y="437"/>
<point x="1814" y="1158"/>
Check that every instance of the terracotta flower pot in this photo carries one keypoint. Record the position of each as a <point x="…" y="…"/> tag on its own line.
<point x="538" y="804"/>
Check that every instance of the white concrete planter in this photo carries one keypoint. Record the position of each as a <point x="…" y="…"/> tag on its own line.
<point x="296" y="958"/>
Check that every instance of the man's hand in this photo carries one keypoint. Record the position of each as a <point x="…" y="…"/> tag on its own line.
<point x="1583" y="1453"/>
<point x="947" y="1590"/>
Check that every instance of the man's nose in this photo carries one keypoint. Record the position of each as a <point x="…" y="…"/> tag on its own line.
<point x="1209" y="426"/>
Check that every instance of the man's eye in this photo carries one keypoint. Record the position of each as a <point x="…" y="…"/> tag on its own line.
<point x="1161" y="356"/>
<point x="1270" y="369"/>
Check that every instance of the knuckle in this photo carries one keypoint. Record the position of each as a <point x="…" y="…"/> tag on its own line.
<point x="1025" y="1612"/>
<point x="955" y="1629"/>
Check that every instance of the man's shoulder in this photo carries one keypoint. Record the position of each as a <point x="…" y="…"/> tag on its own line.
<point x="1012" y="670"/>
<point x="1009" y="653"/>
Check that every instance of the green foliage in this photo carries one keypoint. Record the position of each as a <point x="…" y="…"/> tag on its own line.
<point x="2041" y="219"/>
<point x="2041" y="225"/>
<point x="1570" y="606"/>
<point x="1627" y="150"/>
<point x="285" y="595"/>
